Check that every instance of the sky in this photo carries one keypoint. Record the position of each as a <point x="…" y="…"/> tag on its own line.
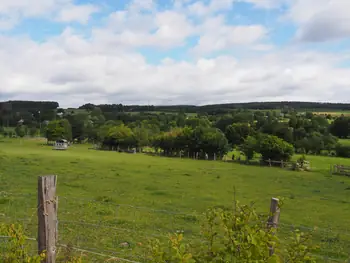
<point x="164" y="52"/>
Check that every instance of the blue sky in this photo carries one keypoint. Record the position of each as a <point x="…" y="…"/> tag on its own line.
<point x="174" y="51"/>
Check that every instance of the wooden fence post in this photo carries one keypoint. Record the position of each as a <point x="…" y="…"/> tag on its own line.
<point x="274" y="217"/>
<point x="47" y="217"/>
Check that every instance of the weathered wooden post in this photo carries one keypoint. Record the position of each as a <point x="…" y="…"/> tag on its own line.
<point x="274" y="217"/>
<point x="47" y="217"/>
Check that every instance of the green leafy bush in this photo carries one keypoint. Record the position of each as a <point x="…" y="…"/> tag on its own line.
<point x="274" y="148"/>
<point x="237" y="235"/>
<point x="343" y="151"/>
<point x="16" y="248"/>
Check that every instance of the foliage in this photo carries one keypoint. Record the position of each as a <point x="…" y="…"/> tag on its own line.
<point x="341" y="127"/>
<point x="80" y="123"/>
<point x="211" y="141"/>
<point x="16" y="249"/>
<point x="306" y="131"/>
<point x="21" y="130"/>
<point x="33" y="131"/>
<point x="238" y="132"/>
<point x="343" y="151"/>
<point x="249" y="147"/>
<point x="97" y="116"/>
<point x="200" y="140"/>
<point x="194" y="122"/>
<point x="274" y="148"/>
<point x="237" y="235"/>
<point x="116" y="137"/>
<point x="59" y="129"/>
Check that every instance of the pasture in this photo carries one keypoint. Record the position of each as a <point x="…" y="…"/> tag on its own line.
<point x="106" y="198"/>
<point x="332" y="113"/>
<point x="345" y="142"/>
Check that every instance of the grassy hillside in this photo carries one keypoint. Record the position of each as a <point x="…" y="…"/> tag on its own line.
<point x="107" y="198"/>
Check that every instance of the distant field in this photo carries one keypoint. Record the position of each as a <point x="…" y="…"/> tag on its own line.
<point x="333" y="113"/>
<point x="345" y="142"/>
<point x="9" y="129"/>
<point x="165" y="112"/>
<point x="107" y="198"/>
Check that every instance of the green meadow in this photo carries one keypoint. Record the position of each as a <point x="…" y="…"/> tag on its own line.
<point x="107" y="198"/>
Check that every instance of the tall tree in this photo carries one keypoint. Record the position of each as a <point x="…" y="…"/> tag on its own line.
<point x="238" y="132"/>
<point x="274" y="148"/>
<point x="59" y="129"/>
<point x="341" y="127"/>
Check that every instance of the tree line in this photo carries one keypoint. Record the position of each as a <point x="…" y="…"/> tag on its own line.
<point x="275" y="134"/>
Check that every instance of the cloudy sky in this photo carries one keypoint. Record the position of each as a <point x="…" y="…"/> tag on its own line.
<point x="174" y="51"/>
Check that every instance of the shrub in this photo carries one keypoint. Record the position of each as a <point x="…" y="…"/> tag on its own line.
<point x="16" y="248"/>
<point x="249" y="147"/>
<point x="274" y="148"/>
<point x="343" y="151"/>
<point x="237" y="235"/>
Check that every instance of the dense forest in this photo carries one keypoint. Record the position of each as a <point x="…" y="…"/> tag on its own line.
<point x="223" y="107"/>
<point x="275" y="130"/>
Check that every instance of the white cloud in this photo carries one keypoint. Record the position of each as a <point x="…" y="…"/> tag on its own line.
<point x="216" y="35"/>
<point x="106" y="67"/>
<point x="199" y="8"/>
<point x="13" y="11"/>
<point x="78" y="13"/>
<point x="75" y="70"/>
<point x="165" y="29"/>
<point x="137" y="5"/>
<point x="267" y="4"/>
<point x="7" y="22"/>
<point x="321" y="20"/>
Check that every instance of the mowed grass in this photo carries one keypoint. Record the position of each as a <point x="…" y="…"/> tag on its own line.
<point x="106" y="198"/>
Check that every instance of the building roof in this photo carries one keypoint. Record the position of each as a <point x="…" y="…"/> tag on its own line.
<point x="62" y="140"/>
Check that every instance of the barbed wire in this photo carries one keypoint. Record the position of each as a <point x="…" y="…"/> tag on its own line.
<point x="107" y="226"/>
<point x="193" y="213"/>
<point x="150" y="225"/>
<point x="87" y="250"/>
<point x="147" y="209"/>
<point x="26" y="238"/>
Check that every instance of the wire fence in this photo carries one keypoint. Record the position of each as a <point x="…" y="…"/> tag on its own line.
<point x="101" y="230"/>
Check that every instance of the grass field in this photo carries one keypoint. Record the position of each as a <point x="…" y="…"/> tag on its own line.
<point x="333" y="113"/>
<point x="345" y="142"/>
<point x="107" y="198"/>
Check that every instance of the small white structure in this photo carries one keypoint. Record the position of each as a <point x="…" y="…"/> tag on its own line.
<point x="61" y="145"/>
